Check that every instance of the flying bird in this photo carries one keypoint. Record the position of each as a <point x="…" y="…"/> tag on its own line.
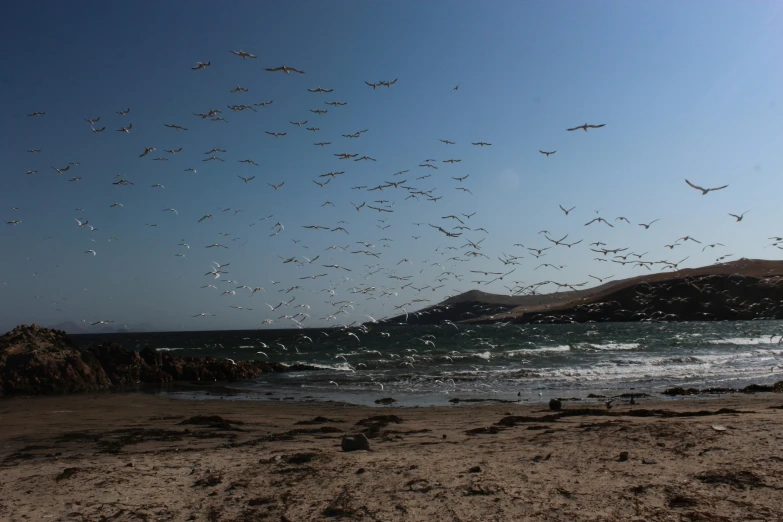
<point x="285" y="69"/>
<point x="586" y="126"/>
<point x="704" y="191"/>
<point x="243" y="54"/>
<point x="739" y="218"/>
<point x="547" y="154"/>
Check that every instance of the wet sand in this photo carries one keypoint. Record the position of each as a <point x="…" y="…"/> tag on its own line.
<point x="130" y="457"/>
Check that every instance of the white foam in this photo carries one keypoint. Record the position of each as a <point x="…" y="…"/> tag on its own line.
<point x="742" y="341"/>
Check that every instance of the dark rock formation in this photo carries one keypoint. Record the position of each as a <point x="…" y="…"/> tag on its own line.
<point x="36" y="360"/>
<point x="355" y="442"/>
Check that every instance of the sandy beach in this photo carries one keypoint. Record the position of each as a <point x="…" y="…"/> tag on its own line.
<point x="135" y="456"/>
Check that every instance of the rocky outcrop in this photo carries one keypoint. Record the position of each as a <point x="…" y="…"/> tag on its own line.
<point x="36" y="360"/>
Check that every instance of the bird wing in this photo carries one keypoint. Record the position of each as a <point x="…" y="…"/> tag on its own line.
<point x="596" y="126"/>
<point x="695" y="186"/>
<point x="718" y="188"/>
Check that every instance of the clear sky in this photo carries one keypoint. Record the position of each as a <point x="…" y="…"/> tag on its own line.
<point x="685" y="90"/>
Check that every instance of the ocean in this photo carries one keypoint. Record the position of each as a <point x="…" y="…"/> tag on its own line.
<point x="431" y="365"/>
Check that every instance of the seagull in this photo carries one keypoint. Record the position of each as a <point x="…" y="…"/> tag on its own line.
<point x="285" y="69"/>
<point x="90" y="252"/>
<point x="37" y="113"/>
<point x="586" y="126"/>
<point x="547" y="154"/>
<point x="201" y="65"/>
<point x="96" y="131"/>
<point x="739" y="218"/>
<point x="276" y="187"/>
<point x="239" y="89"/>
<point x="243" y="54"/>
<point x="373" y="85"/>
<point x="647" y="225"/>
<point x="208" y="216"/>
<point x="204" y="315"/>
<point x="276" y="134"/>
<point x="147" y="150"/>
<point x="319" y="89"/>
<point x="170" y="210"/>
<point x="249" y="161"/>
<point x="455" y="88"/>
<point x="482" y="144"/>
<point x="566" y="211"/>
<point x="123" y="113"/>
<point x="33" y="150"/>
<point x="60" y="171"/>
<point x="175" y="127"/>
<point x="447" y="142"/>
<point x="126" y="130"/>
<point x="101" y="322"/>
<point x="246" y="179"/>
<point x="704" y="191"/>
<point x="172" y="151"/>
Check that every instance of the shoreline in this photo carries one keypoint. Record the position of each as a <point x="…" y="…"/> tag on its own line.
<point x="132" y="456"/>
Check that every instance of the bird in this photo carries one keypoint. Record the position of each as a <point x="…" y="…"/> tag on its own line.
<point x="37" y="113"/>
<point x="547" y="154"/>
<point x="239" y="88"/>
<point x="123" y="113"/>
<point x="285" y="69"/>
<point x="201" y="65"/>
<point x="175" y="127"/>
<point x="566" y="211"/>
<point x="126" y="130"/>
<point x="586" y="126"/>
<point x="243" y="54"/>
<point x="276" y="187"/>
<point x="647" y="225"/>
<point x="90" y="252"/>
<point x="276" y="134"/>
<point x="739" y="218"/>
<point x="704" y="191"/>
<point x="60" y="171"/>
<point x="170" y="210"/>
<point x="147" y="150"/>
<point x="246" y="179"/>
<point x="320" y="90"/>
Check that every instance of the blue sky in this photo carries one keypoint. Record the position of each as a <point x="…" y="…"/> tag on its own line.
<point x="686" y="90"/>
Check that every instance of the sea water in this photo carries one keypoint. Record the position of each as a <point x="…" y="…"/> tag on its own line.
<point x="430" y="365"/>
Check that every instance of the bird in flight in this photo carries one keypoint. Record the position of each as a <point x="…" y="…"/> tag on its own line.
<point x="547" y="154"/>
<point x="276" y="187"/>
<point x="566" y="211"/>
<point x="739" y="218"/>
<point x="243" y="54"/>
<point x="175" y="127"/>
<point x="647" y="225"/>
<point x="201" y="65"/>
<point x="246" y="179"/>
<point x="123" y="113"/>
<point x="704" y="191"/>
<point x="37" y="113"/>
<point x="319" y="89"/>
<point x="482" y="144"/>
<point x="276" y="134"/>
<point x="285" y="69"/>
<point x="586" y="126"/>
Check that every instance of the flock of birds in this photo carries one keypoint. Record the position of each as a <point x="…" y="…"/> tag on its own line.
<point x="349" y="278"/>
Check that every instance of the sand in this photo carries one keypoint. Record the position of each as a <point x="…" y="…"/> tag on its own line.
<point x="129" y="457"/>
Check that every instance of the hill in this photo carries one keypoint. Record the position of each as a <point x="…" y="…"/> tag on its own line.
<point x="739" y="290"/>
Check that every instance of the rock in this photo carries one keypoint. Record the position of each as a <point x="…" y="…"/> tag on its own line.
<point x="355" y="442"/>
<point x="36" y="360"/>
<point x="649" y="461"/>
<point x="555" y="404"/>
<point x="623" y="456"/>
<point x="475" y="469"/>
<point x="386" y="400"/>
